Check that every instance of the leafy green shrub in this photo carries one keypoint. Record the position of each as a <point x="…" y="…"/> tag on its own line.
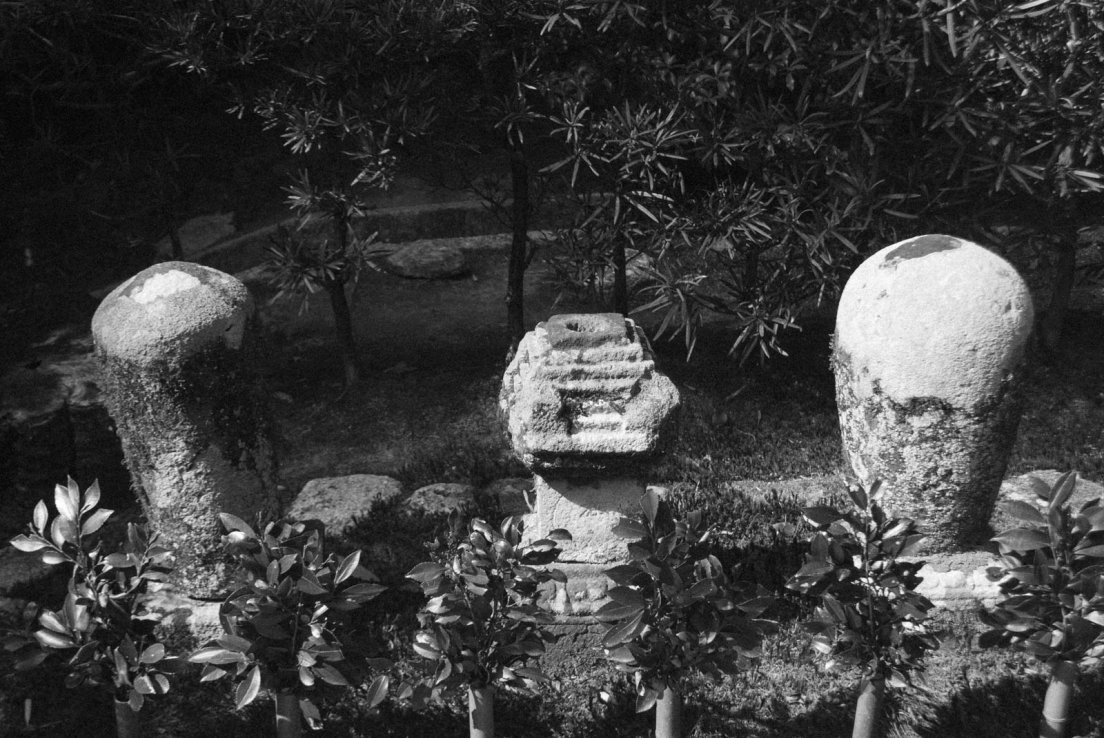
<point x="103" y="626"/>
<point x="286" y="627"/>
<point x="1054" y="591"/>
<point x="675" y="610"/>
<point x="870" y="615"/>
<point x="482" y="625"/>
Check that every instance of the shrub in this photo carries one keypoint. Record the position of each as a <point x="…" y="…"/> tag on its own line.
<point x="675" y="611"/>
<point x="482" y="625"/>
<point x="286" y="627"/>
<point x="103" y="626"/>
<point x="869" y="614"/>
<point x="1054" y="591"/>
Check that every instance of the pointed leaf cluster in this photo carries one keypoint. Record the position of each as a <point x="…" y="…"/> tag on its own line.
<point x="102" y="628"/>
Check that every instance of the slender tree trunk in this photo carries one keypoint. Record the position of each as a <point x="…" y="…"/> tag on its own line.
<point x="519" y="246"/>
<point x="868" y="708"/>
<point x="620" y="283"/>
<point x="1064" y="272"/>
<point x="481" y="712"/>
<point x="128" y="723"/>
<point x="343" y="324"/>
<point x="669" y="714"/>
<point x="177" y="246"/>
<point x="343" y="321"/>
<point x="1056" y="706"/>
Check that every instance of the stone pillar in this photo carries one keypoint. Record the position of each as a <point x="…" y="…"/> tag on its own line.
<point x="176" y="358"/>
<point x="929" y="352"/>
<point x="586" y="411"/>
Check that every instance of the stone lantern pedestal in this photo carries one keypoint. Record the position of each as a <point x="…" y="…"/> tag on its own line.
<point x="177" y="370"/>
<point x="586" y="412"/>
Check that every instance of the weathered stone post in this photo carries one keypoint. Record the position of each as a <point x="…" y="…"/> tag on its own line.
<point x="929" y="349"/>
<point x="586" y="411"/>
<point x="177" y="373"/>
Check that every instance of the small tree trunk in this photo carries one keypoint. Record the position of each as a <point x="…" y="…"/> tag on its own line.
<point x="128" y="723"/>
<point x="868" y="708"/>
<point x="1056" y="704"/>
<point x="1064" y="272"/>
<point x="343" y="325"/>
<point x="669" y="714"/>
<point x="620" y="282"/>
<point x="519" y="246"/>
<point x="177" y="246"/>
<point x="481" y="712"/>
<point x="288" y="718"/>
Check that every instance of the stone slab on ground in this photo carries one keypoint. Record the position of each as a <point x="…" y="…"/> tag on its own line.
<point x="186" y="623"/>
<point x="441" y="498"/>
<point x="336" y="501"/>
<point x="427" y="260"/>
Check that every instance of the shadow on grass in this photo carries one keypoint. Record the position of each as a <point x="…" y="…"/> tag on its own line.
<point x="1008" y="707"/>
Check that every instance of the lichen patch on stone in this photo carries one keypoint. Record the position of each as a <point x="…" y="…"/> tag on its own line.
<point x="162" y="285"/>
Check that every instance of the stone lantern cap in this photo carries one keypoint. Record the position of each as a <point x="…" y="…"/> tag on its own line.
<point x="170" y="311"/>
<point x="582" y="396"/>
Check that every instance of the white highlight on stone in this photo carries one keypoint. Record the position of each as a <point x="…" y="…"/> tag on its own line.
<point x="162" y="285"/>
<point x="934" y="316"/>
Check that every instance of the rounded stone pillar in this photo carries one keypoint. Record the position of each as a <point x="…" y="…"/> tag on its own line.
<point x="176" y="359"/>
<point x="929" y="349"/>
<point x="586" y="411"/>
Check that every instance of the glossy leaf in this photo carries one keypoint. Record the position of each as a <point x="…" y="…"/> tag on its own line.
<point x="232" y="523"/>
<point x="28" y="544"/>
<point x="348" y="565"/>
<point x="1023" y="539"/>
<point x="1024" y="512"/>
<point x="248" y="689"/>
<point x="377" y="691"/>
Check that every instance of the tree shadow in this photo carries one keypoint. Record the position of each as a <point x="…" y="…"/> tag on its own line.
<point x="1008" y="707"/>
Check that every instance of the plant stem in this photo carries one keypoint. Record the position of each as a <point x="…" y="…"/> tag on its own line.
<point x="481" y="711"/>
<point x="868" y="708"/>
<point x="669" y="714"/>
<point x="343" y="323"/>
<point x="1056" y="705"/>
<point x="620" y="282"/>
<point x="128" y="723"/>
<point x="288" y="721"/>
<point x="1050" y="328"/>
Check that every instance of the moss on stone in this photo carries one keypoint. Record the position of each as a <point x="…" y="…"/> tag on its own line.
<point x="195" y="433"/>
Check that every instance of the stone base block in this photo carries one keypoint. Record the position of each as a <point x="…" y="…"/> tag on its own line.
<point x="590" y="510"/>
<point x="186" y="622"/>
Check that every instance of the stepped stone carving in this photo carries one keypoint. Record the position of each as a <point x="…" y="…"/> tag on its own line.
<point x="586" y="411"/>
<point x="175" y="349"/>
<point x="929" y="348"/>
<point x="582" y="397"/>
